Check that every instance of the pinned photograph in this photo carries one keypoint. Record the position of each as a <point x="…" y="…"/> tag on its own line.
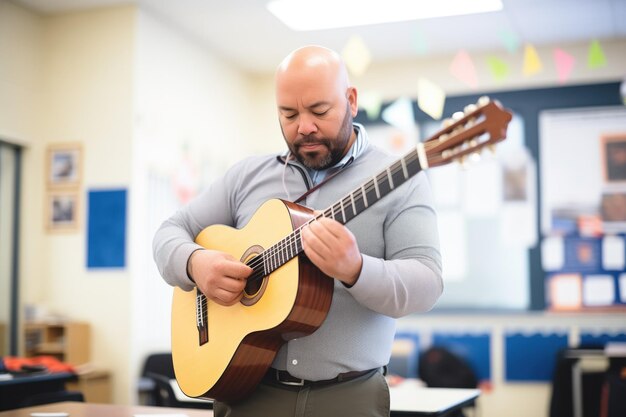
<point x="614" y="157"/>
<point x="62" y="211"/>
<point x="64" y="165"/>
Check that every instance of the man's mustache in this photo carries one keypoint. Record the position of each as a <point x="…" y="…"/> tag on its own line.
<point x="311" y="141"/>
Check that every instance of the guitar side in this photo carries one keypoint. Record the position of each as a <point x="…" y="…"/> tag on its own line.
<point x="243" y="339"/>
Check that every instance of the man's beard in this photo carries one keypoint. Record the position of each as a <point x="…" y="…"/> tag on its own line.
<point x="336" y="148"/>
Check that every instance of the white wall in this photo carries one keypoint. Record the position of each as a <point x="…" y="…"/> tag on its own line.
<point x="68" y="78"/>
<point x="191" y="111"/>
<point x="87" y="97"/>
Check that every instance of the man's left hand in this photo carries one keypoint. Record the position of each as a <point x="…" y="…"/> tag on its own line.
<point x="333" y="249"/>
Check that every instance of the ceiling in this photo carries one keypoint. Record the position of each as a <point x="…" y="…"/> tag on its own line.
<point x="244" y="33"/>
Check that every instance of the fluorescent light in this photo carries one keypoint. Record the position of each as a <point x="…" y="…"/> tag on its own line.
<point x="326" y="14"/>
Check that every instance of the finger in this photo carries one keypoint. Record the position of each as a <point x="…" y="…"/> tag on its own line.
<point x="313" y="243"/>
<point x="236" y="270"/>
<point x="226" y="298"/>
<point x="232" y="285"/>
<point x="322" y="233"/>
<point x="333" y="228"/>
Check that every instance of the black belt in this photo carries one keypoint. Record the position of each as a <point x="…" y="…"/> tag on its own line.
<point x="285" y="378"/>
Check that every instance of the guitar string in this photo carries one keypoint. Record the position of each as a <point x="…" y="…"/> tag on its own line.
<point x="288" y="243"/>
<point x="294" y="237"/>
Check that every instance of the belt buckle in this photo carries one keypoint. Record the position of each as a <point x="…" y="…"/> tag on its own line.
<point x="299" y="383"/>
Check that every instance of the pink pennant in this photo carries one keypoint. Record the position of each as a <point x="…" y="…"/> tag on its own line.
<point x="463" y="68"/>
<point x="564" y="64"/>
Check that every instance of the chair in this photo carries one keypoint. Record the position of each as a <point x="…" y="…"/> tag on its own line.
<point x="441" y="368"/>
<point x="167" y="396"/>
<point x="156" y="364"/>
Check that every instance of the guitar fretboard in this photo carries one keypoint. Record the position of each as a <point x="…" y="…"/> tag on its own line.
<point x="344" y="210"/>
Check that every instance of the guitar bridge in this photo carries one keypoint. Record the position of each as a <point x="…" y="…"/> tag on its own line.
<point x="202" y="317"/>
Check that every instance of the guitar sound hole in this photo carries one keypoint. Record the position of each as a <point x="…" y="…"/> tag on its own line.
<point x="254" y="288"/>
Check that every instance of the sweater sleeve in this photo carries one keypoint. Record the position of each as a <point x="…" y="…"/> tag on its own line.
<point x="409" y="278"/>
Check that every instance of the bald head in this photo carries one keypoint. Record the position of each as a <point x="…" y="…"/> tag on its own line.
<point x="315" y="60"/>
<point x="316" y="105"/>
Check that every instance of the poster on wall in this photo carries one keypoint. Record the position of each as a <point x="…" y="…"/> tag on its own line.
<point x="106" y="228"/>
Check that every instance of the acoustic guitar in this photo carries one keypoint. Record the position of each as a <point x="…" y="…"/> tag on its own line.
<point x="223" y="352"/>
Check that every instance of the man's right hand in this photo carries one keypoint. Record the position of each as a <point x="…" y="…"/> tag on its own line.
<point x="219" y="276"/>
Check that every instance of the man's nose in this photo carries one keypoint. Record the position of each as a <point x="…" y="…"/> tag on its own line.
<point x="306" y="125"/>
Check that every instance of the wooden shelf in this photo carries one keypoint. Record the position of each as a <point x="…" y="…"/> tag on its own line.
<point x="69" y="341"/>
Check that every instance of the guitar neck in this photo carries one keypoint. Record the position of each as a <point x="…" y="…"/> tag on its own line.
<point x="481" y="125"/>
<point x="344" y="210"/>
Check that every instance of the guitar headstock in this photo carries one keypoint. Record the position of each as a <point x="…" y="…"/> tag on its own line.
<point x="480" y="125"/>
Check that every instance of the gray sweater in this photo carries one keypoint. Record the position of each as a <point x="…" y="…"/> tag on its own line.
<point x="397" y="236"/>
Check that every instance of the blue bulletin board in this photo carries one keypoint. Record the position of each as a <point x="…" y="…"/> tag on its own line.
<point x="106" y="228"/>
<point x="532" y="357"/>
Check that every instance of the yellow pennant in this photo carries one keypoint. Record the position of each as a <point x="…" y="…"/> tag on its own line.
<point x="532" y="63"/>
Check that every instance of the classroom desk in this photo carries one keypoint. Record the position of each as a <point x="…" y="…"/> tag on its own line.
<point x="103" y="410"/>
<point x="17" y="389"/>
<point x="409" y="398"/>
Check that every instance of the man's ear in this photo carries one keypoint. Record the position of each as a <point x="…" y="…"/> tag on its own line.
<point x="352" y="100"/>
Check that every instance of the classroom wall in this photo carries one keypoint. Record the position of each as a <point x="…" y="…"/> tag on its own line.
<point x="68" y="78"/>
<point x="142" y="96"/>
<point x="191" y="122"/>
<point x="88" y="98"/>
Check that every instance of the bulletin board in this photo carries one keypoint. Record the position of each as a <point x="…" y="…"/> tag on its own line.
<point x="583" y="207"/>
<point x="527" y="105"/>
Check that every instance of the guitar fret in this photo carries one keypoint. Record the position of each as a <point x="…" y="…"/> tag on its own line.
<point x="389" y="177"/>
<point x="376" y="188"/>
<point x="353" y="205"/>
<point x="404" y="170"/>
<point x="273" y="258"/>
<point x="265" y="265"/>
<point x="332" y="212"/>
<point x="343" y="212"/>
<point x="364" y="196"/>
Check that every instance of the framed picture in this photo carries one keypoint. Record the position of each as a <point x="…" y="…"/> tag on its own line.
<point x="64" y="165"/>
<point x="614" y="157"/>
<point x="62" y="211"/>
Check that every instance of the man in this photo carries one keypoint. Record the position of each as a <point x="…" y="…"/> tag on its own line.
<point x="385" y="264"/>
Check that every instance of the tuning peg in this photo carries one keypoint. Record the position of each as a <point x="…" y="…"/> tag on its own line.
<point x="443" y="137"/>
<point x="483" y="101"/>
<point x="474" y="157"/>
<point x="492" y="149"/>
<point x="470" y="108"/>
<point x="456" y="116"/>
<point x="447" y="122"/>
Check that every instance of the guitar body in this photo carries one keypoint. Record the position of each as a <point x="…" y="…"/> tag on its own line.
<point x="243" y="339"/>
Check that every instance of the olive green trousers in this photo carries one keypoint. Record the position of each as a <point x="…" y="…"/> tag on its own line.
<point x="365" y="396"/>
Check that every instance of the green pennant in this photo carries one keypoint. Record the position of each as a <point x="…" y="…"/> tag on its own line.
<point x="595" y="57"/>
<point x="498" y="68"/>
